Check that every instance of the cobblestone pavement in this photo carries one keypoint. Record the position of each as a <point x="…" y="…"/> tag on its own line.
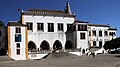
<point x="105" y="60"/>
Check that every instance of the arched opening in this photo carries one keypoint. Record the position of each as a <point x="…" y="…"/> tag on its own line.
<point x="31" y="46"/>
<point x="57" y="45"/>
<point x="68" y="45"/>
<point x="44" y="45"/>
<point x="83" y="51"/>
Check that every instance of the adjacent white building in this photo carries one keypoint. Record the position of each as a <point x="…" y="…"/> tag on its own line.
<point x="99" y="34"/>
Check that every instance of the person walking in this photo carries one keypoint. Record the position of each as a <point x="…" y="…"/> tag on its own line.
<point x="93" y="54"/>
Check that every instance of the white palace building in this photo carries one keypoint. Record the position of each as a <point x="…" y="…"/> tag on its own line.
<point x="51" y="30"/>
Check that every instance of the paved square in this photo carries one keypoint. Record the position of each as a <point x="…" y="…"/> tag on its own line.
<point x="105" y="60"/>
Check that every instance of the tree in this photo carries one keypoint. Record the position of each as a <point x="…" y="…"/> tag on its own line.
<point x="113" y="44"/>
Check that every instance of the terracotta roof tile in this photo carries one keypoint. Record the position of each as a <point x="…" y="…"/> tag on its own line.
<point x="47" y="12"/>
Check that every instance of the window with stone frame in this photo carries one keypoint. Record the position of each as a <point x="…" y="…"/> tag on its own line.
<point x="106" y="33"/>
<point x="60" y="27"/>
<point x="94" y="43"/>
<point x="18" y="48"/>
<point x="40" y="26"/>
<point x="69" y="27"/>
<point x="82" y="35"/>
<point x="18" y="30"/>
<point x="100" y="33"/>
<point x="0" y="32"/>
<point x="30" y="26"/>
<point x="94" y="32"/>
<point x="50" y="27"/>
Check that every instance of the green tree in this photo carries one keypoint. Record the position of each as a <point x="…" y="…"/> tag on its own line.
<point x="113" y="44"/>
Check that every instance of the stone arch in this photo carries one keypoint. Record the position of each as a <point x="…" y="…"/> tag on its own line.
<point x="57" y="45"/>
<point x="31" y="45"/>
<point x="83" y="51"/>
<point x="44" y="45"/>
<point x="68" y="45"/>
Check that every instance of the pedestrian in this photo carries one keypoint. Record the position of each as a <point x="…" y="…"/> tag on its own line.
<point x="93" y="55"/>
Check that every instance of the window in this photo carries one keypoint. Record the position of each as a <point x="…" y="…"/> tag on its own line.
<point x="94" y="43"/>
<point x="0" y="32"/>
<point x="50" y="27"/>
<point x="82" y="27"/>
<point x="100" y="43"/>
<point x="60" y="27"/>
<point x="18" y="30"/>
<point x="17" y="37"/>
<point x="18" y="48"/>
<point x="18" y="51"/>
<point x="100" y="33"/>
<point x="94" y="33"/>
<point x="112" y="33"/>
<point x="82" y="35"/>
<point x="106" y="33"/>
<point x="29" y="26"/>
<point x="40" y="26"/>
<point x="69" y="27"/>
<point x="18" y="45"/>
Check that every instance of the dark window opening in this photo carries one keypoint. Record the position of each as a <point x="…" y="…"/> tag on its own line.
<point x="60" y="27"/>
<point x="29" y="26"/>
<point x="18" y="45"/>
<point x="106" y="33"/>
<point x="69" y="27"/>
<point x="82" y="27"/>
<point x="40" y="26"/>
<point x="82" y="35"/>
<point x="17" y="37"/>
<point x="100" y="33"/>
<point x="112" y="34"/>
<point x="94" y="33"/>
<point x="100" y="43"/>
<point x="18" y="51"/>
<point x="94" y="43"/>
<point x="50" y="27"/>
<point x="18" y="30"/>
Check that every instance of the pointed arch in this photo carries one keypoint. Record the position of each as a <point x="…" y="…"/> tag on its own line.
<point x="68" y="45"/>
<point x="45" y="45"/>
<point x="57" y="45"/>
<point x="31" y="45"/>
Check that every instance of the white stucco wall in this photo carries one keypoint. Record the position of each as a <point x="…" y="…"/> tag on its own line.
<point x="50" y="37"/>
<point x="97" y="38"/>
<point x="13" y="45"/>
<point x="82" y="43"/>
